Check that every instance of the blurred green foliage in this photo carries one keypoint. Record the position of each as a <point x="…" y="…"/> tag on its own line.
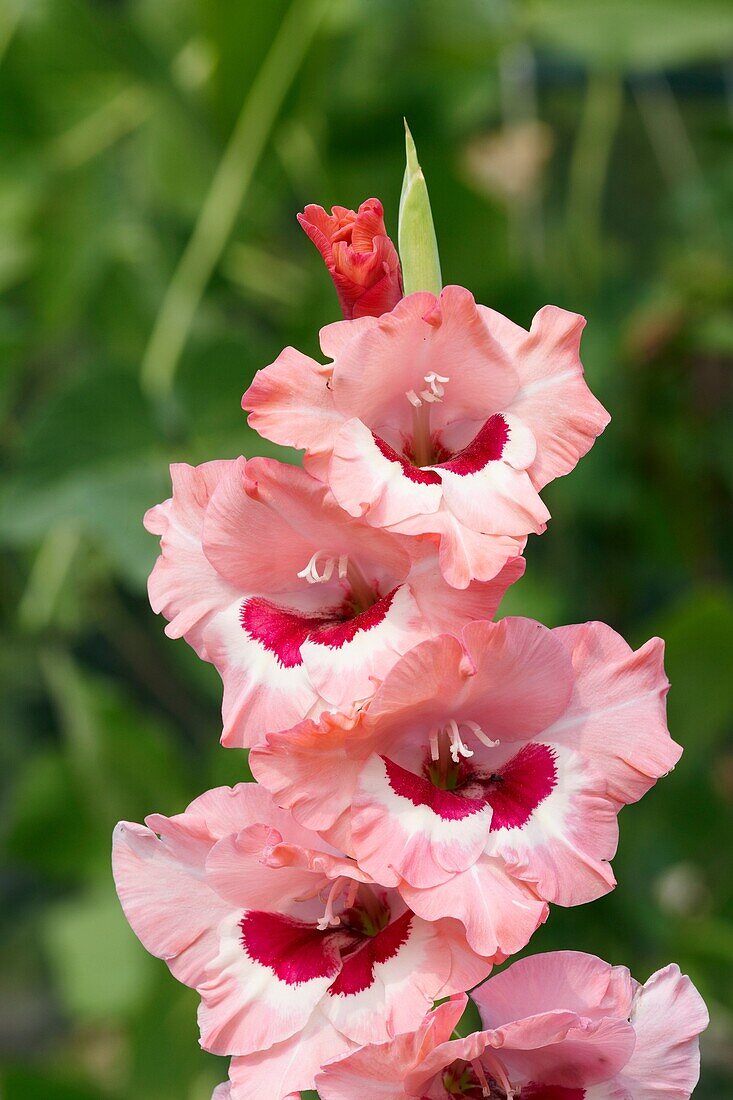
<point x="153" y="154"/>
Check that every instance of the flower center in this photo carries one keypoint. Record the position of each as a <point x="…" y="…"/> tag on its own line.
<point x="447" y="747"/>
<point x="470" y="1079"/>
<point x="423" y="455"/>
<point x="513" y="788"/>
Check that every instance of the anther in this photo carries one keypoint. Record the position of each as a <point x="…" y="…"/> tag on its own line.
<point x="479" y="734"/>
<point x="434" y="746"/>
<point x="457" y="748"/>
<point x="311" y="574"/>
<point x="436" y="387"/>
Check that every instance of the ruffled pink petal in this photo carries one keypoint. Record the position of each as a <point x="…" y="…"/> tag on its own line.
<point x="264" y="984"/>
<point x="288" y="1067"/>
<point x="468" y="968"/>
<point x="423" y="335"/>
<point x="183" y="585"/>
<point x="496" y="497"/>
<point x="170" y="908"/>
<point x="510" y="677"/>
<point x="313" y="768"/>
<point x="404" y="827"/>
<point x="248" y="536"/>
<point x="291" y="403"/>
<point x="582" y="1051"/>
<point x="553" y="398"/>
<point x="371" y="480"/>
<point x="464" y="555"/>
<point x="447" y="609"/>
<point x="224" y="811"/>
<point x="498" y="912"/>
<point x="336" y="338"/>
<point x="261" y="694"/>
<point x="617" y="715"/>
<point x="568" y="980"/>
<point x="383" y="1067"/>
<point x="668" y="1016"/>
<point x="557" y="1047"/>
<point x="563" y="846"/>
<point x="390" y="983"/>
<point x="266" y="520"/>
<point x="345" y="663"/>
<point x="254" y="868"/>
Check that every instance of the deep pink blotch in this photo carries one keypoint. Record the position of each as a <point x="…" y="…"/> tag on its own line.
<point x="296" y="952"/>
<point x="520" y="786"/>
<point x="357" y="973"/>
<point x="487" y="446"/>
<point x="450" y="805"/>
<point x="283" y="631"/>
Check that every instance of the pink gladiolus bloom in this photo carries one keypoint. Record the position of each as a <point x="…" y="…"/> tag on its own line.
<point x="300" y="607"/>
<point x="560" y="1026"/>
<point x="297" y="955"/>
<point x="441" y="419"/>
<point x="485" y="776"/>
<point x="360" y="257"/>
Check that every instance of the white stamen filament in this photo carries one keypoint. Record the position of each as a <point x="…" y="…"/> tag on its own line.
<point x="311" y="574"/>
<point x="329" y="918"/>
<point x="498" y="1072"/>
<point x="351" y="896"/>
<point x="457" y="748"/>
<point x="479" y="734"/>
<point x="478" y="1069"/>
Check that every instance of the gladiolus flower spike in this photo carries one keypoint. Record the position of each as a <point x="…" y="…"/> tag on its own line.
<point x="430" y="780"/>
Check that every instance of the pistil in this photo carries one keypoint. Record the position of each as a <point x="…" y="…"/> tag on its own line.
<point x="362" y="593"/>
<point x="330" y="919"/>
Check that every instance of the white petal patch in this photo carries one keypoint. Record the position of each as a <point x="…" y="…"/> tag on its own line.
<point x="394" y="838"/>
<point x="346" y="673"/>
<point x="261" y="695"/>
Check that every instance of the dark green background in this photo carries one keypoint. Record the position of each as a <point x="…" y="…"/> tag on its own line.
<point x="577" y="152"/>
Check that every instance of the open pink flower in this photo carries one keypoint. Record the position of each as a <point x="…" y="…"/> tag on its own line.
<point x="360" y="257"/>
<point x="300" y="607"/>
<point x="297" y="955"/>
<point x="560" y="1026"/>
<point x="485" y="776"/>
<point x="439" y="419"/>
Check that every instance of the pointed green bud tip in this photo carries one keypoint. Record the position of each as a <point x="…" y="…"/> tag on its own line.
<point x="418" y="247"/>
